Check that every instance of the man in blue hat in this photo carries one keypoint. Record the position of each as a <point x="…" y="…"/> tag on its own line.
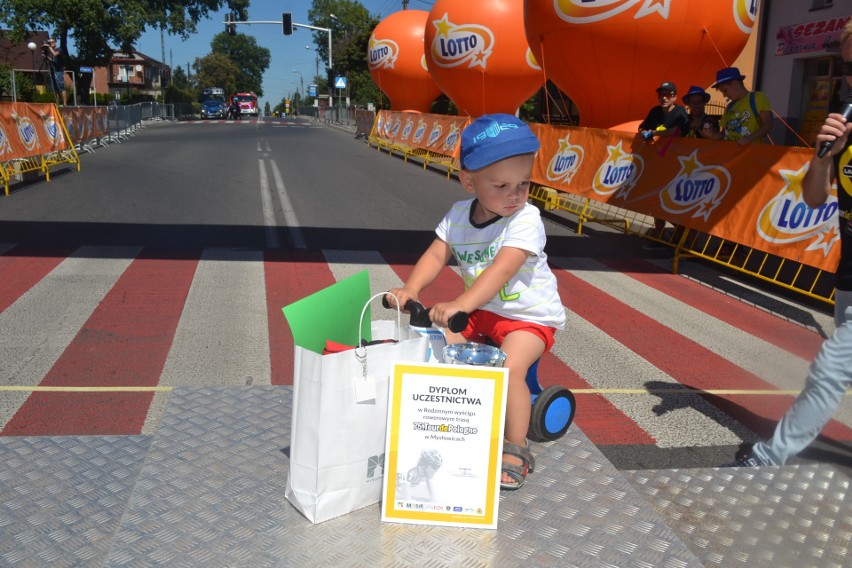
<point x="748" y="117"/>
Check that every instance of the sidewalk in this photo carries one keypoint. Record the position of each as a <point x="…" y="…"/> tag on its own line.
<point x="208" y="489"/>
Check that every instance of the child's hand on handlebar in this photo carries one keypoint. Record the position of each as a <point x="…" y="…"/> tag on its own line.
<point x="441" y="313"/>
<point x="402" y="294"/>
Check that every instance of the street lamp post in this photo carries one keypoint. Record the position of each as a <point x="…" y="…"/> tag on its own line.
<point x="346" y="41"/>
<point x="308" y="47"/>
<point x="301" y="78"/>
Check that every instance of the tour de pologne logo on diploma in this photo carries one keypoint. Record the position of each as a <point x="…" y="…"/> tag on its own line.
<point x="444" y="445"/>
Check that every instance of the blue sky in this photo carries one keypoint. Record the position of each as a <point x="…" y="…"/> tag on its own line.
<point x="288" y="52"/>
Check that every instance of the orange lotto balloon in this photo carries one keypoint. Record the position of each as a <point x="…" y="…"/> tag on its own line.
<point x="609" y="56"/>
<point x="479" y="57"/>
<point x="396" y="61"/>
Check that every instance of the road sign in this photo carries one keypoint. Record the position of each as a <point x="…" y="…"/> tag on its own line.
<point x="340" y="82"/>
<point x="86" y="70"/>
<point x="312" y="90"/>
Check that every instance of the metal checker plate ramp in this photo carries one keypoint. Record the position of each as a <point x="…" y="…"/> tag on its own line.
<point x="211" y="493"/>
<point x="779" y="517"/>
<point x="62" y="498"/>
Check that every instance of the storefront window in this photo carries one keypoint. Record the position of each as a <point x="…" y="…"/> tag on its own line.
<point x="821" y="91"/>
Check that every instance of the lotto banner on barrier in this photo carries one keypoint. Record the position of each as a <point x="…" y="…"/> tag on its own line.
<point x="85" y="123"/>
<point x="28" y="130"/>
<point x="435" y="133"/>
<point x="750" y="195"/>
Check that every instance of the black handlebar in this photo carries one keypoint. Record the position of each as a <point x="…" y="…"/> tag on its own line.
<point x="420" y="316"/>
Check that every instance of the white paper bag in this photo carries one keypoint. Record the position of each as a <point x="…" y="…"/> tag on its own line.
<point x="337" y="443"/>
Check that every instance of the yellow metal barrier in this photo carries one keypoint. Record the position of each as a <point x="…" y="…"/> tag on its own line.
<point x="688" y="243"/>
<point x="425" y="157"/>
<point x="42" y="162"/>
<point x="586" y="210"/>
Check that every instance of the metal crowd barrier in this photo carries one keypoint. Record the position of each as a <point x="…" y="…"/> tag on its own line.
<point x="122" y="122"/>
<point x="125" y="121"/>
<point x="685" y="243"/>
<point x="337" y="115"/>
<point x="689" y="243"/>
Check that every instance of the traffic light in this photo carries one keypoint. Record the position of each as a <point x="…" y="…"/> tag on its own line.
<point x="230" y="26"/>
<point x="287" y="22"/>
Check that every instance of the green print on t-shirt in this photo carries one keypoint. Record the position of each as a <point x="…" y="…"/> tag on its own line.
<point x="486" y="254"/>
<point x="468" y="282"/>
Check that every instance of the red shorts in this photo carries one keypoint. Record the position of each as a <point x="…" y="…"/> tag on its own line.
<point x="488" y="325"/>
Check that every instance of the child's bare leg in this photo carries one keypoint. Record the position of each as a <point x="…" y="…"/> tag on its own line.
<point x="522" y="350"/>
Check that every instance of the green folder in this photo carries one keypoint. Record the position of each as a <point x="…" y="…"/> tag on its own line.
<point x="331" y="313"/>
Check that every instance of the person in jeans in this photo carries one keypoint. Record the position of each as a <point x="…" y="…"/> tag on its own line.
<point x="831" y="372"/>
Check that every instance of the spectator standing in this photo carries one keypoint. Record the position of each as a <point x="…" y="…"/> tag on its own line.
<point x="666" y="119"/>
<point x="830" y="373"/>
<point x="748" y="117"/>
<point x="700" y="124"/>
<point x="57" y="69"/>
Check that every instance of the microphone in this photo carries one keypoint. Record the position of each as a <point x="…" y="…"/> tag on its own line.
<point x="846" y="111"/>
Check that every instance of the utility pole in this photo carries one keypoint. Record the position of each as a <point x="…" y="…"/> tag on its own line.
<point x="162" y="63"/>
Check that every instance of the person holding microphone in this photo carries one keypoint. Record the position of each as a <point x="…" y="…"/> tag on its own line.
<point x="830" y="374"/>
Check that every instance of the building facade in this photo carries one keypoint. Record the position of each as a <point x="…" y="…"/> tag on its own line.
<point x="128" y="73"/>
<point x="798" y="63"/>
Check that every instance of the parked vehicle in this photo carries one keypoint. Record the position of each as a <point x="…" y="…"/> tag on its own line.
<point x="214" y="108"/>
<point x="247" y="102"/>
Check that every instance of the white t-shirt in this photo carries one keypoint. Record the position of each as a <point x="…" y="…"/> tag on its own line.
<point x="531" y="294"/>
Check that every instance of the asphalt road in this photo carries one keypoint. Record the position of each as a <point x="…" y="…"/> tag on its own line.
<point x="281" y="188"/>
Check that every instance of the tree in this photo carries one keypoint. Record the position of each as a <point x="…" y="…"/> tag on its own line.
<point x="350" y="34"/>
<point x="250" y="59"/>
<point x="179" y="78"/>
<point x="217" y="70"/>
<point x="98" y="27"/>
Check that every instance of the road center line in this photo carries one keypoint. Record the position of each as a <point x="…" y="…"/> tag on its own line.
<point x="272" y="240"/>
<point x="297" y="238"/>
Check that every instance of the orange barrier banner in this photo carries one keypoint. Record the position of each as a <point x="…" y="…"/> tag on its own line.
<point x="29" y="130"/>
<point x="85" y="123"/>
<point x="750" y="195"/>
<point x="436" y="133"/>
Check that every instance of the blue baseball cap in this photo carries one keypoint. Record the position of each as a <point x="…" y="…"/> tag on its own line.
<point x="494" y="137"/>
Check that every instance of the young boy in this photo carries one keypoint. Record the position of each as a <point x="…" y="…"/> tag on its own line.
<point x="497" y="239"/>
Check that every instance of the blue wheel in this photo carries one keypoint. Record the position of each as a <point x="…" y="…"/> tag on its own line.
<point x="552" y="413"/>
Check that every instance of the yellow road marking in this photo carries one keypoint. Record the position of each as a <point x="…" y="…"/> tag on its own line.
<point x="718" y="392"/>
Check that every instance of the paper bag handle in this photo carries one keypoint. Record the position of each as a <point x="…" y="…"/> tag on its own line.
<point x="361" y="350"/>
